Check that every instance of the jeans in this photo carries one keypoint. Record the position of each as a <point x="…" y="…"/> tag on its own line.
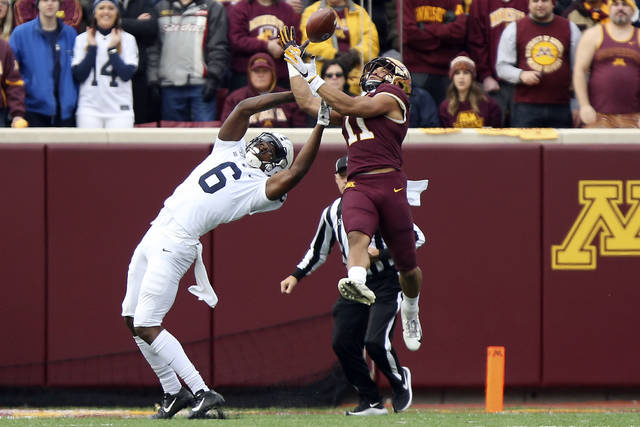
<point x="185" y="104"/>
<point x="541" y="115"/>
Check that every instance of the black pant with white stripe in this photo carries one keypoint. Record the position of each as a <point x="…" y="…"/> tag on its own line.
<point x="357" y="326"/>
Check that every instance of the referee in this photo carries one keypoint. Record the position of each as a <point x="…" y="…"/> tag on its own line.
<point x="358" y="326"/>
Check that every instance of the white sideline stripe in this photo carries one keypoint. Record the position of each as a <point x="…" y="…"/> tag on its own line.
<point x="73" y="413"/>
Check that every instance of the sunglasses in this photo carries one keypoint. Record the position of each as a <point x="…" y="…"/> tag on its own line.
<point x="332" y="75"/>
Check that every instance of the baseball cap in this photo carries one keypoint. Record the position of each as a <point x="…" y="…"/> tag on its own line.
<point x="261" y="60"/>
<point x="341" y="164"/>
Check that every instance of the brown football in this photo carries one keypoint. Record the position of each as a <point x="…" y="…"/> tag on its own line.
<point x="321" y="25"/>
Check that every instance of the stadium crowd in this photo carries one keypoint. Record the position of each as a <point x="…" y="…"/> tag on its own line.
<point x="473" y="63"/>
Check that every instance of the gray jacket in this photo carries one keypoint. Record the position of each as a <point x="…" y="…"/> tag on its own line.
<point x="180" y="56"/>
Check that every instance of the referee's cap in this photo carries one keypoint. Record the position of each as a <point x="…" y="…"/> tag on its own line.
<point x="341" y="164"/>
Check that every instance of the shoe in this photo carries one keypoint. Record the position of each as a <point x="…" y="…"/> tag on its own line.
<point x="366" y="408"/>
<point x="402" y="397"/>
<point x="411" y="331"/>
<point x="204" y="401"/>
<point x="355" y="291"/>
<point x="172" y="404"/>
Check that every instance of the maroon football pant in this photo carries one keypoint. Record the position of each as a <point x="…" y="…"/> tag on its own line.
<point x="379" y="202"/>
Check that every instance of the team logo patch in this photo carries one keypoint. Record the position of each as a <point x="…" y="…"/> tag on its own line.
<point x="544" y="53"/>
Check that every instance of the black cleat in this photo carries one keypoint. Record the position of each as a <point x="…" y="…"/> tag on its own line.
<point x="172" y="404"/>
<point x="403" y="397"/>
<point x="204" y="401"/>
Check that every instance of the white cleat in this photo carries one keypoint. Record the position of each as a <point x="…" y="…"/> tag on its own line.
<point x="355" y="291"/>
<point x="411" y="330"/>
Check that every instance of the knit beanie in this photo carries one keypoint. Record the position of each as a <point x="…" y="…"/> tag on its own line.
<point x="462" y="62"/>
<point x="97" y="2"/>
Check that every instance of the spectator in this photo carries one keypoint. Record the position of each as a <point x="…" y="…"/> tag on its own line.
<point x="466" y="105"/>
<point x="487" y="20"/>
<point x="297" y="5"/>
<point x="104" y="60"/>
<point x="606" y="76"/>
<point x="585" y="14"/>
<point x="140" y="20"/>
<point x="70" y="12"/>
<point x="424" y="111"/>
<point x="335" y="74"/>
<point x="536" y="53"/>
<point x="6" y="19"/>
<point x="254" y="26"/>
<point x="11" y="88"/>
<point x="189" y="58"/>
<point x="262" y="79"/>
<point x="43" y="49"/>
<point x="433" y="33"/>
<point x="354" y="42"/>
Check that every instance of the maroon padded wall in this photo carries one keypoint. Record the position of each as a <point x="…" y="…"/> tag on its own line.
<point x="22" y="293"/>
<point x="101" y="199"/>
<point x="590" y="316"/>
<point x="252" y="256"/>
<point x="481" y="262"/>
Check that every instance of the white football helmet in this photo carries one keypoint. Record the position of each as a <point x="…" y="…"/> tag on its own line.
<point x="282" y="150"/>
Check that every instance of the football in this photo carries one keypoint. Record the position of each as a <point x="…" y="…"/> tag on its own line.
<point x="321" y="25"/>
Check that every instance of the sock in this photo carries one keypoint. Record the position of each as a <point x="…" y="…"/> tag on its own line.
<point x="170" y="350"/>
<point x="357" y="274"/>
<point x="410" y="305"/>
<point x="168" y="379"/>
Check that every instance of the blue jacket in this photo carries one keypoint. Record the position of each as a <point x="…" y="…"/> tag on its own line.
<point x="36" y="60"/>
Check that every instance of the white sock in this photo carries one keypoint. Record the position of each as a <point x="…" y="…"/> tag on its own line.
<point x="357" y="274"/>
<point x="410" y="305"/>
<point x="170" y="350"/>
<point x="168" y="379"/>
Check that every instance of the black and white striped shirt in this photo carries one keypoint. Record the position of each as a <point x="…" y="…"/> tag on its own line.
<point x="329" y="230"/>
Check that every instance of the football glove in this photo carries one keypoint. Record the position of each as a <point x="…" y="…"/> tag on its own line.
<point x="324" y="114"/>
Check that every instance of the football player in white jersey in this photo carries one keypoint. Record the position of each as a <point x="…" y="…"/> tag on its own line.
<point x="236" y="179"/>
<point x="104" y="60"/>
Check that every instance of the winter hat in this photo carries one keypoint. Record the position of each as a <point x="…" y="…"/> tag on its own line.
<point x="263" y="60"/>
<point x="462" y="62"/>
<point x="115" y="3"/>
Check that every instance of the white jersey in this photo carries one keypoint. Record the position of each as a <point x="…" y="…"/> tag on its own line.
<point x="221" y="189"/>
<point x="110" y="96"/>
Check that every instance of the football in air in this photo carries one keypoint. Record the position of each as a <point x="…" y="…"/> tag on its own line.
<point x="321" y="25"/>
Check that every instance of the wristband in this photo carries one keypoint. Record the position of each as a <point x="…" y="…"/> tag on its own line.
<point x="315" y="83"/>
<point x="112" y="50"/>
<point x="292" y="70"/>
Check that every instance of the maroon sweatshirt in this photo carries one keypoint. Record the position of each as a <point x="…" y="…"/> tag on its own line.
<point x="429" y="44"/>
<point x="251" y="25"/>
<point x="11" y="83"/>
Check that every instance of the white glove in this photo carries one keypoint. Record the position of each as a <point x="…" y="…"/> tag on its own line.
<point x="324" y="114"/>
<point x="307" y="70"/>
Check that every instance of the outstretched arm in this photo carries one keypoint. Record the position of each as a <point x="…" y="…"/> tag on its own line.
<point x="281" y="183"/>
<point x="237" y="123"/>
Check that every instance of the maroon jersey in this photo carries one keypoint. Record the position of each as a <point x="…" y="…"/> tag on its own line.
<point x="376" y="142"/>
<point x="544" y="48"/>
<point x="488" y="116"/>
<point x="487" y="20"/>
<point x="615" y="62"/>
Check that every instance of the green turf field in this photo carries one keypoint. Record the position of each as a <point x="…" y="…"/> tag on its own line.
<point x="334" y="417"/>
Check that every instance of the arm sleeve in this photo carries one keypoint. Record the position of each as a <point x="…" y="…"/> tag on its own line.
<point x="508" y="56"/>
<point x="319" y="248"/>
<point x="575" y="38"/>
<point x="124" y="71"/>
<point x="82" y="67"/>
